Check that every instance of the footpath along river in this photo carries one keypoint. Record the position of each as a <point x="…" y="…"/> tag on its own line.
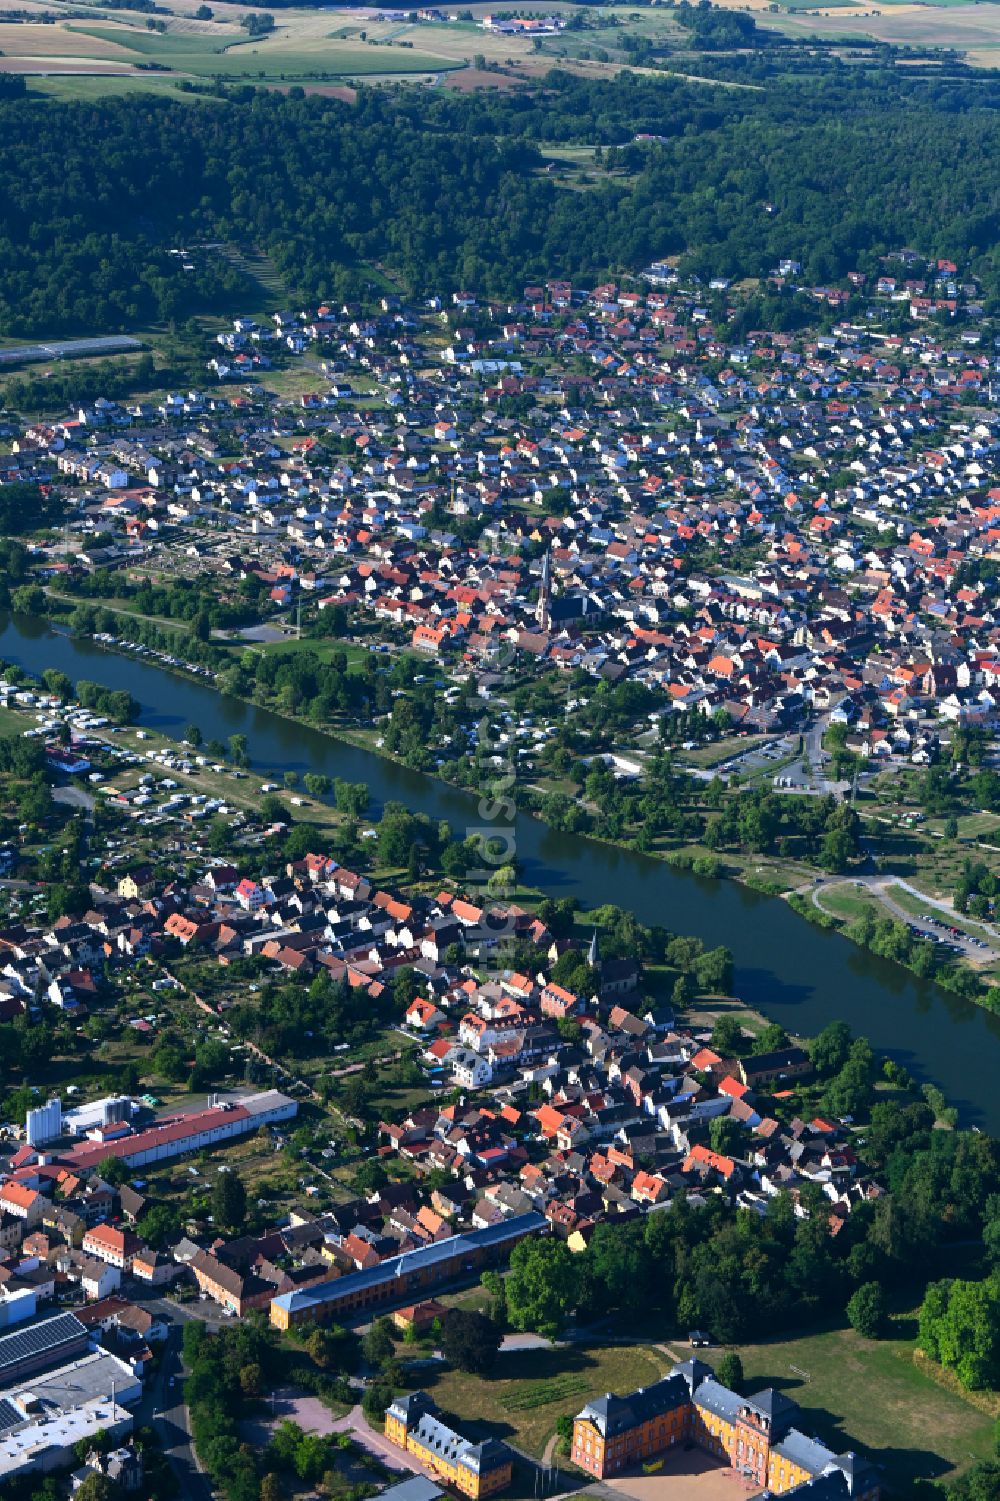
<point x="795" y="973"/>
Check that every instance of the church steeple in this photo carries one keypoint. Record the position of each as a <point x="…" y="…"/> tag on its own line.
<point x="593" y="954"/>
<point x="543" y="613"/>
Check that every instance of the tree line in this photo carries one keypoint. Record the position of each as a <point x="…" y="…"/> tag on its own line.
<point x="837" y="170"/>
<point x="744" y="1275"/>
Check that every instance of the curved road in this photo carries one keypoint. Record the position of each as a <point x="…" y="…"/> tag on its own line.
<point x="880" y="887"/>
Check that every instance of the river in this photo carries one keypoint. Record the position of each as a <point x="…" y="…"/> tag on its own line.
<point x="795" y="973"/>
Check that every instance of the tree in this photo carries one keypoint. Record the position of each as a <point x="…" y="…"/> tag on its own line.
<point x="866" y="1310"/>
<point x="375" y="1400"/>
<point x="727" y="1036"/>
<point x="169" y="1062"/>
<point x="326" y="1346"/>
<point x="229" y="1200"/>
<point x="68" y="899"/>
<point x="238" y="752"/>
<point x="270" y="1486"/>
<point x="316" y="784"/>
<point x="981" y="1482"/>
<point x="160" y="1224"/>
<point x="836" y="851"/>
<point x="991" y="1228"/>
<point x="564" y="1429"/>
<point x="726" y="1136"/>
<point x="828" y="1052"/>
<point x="683" y="992"/>
<point x="713" y="971"/>
<point x="377" y="1344"/>
<point x="542" y="1285"/>
<point x="959" y="1327"/>
<point x="114" y="1171"/>
<point x="851" y="1090"/>
<point x="729" y="1371"/>
<point x="470" y="1341"/>
<point x="772" y="1039"/>
<point x="272" y="809"/>
<point x="58" y="683"/>
<point x="370" y="1177"/>
<point x="28" y="600"/>
<point x="95" y="1488"/>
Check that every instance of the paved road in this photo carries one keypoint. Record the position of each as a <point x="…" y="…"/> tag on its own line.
<point x="881" y="887"/>
<point x="816" y="759"/>
<point x="172" y="1423"/>
<point x="375" y="1443"/>
<point x="209" y="1314"/>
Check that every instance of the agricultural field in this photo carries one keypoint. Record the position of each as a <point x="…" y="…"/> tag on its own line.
<point x="308" y="47"/>
<point x="973" y="29"/>
<point x="110" y="53"/>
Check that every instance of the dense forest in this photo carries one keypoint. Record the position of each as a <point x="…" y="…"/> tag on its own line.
<point x="447" y="189"/>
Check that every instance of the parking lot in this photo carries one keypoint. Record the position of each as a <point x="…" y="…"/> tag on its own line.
<point x="762" y="757"/>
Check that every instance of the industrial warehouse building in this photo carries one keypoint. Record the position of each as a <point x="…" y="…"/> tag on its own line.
<point x="54" y="1341"/>
<point x="186" y="1133"/>
<point x="56" y="1390"/>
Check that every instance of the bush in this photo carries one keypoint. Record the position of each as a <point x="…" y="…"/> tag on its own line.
<point x="375" y="1401"/>
<point x="866" y="1310"/>
<point x="730" y="1371"/>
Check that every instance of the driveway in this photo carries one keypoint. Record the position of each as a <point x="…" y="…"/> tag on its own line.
<point x="690" y="1474"/>
<point x="525" y="1342"/>
<point x="312" y="1416"/>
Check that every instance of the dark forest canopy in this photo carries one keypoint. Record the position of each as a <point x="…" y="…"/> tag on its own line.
<point x="834" y="169"/>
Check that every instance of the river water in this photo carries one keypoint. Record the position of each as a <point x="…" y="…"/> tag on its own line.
<point x="795" y="973"/>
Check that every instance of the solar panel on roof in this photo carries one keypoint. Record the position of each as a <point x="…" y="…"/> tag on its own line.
<point x="9" y="1415"/>
<point x="22" y="1344"/>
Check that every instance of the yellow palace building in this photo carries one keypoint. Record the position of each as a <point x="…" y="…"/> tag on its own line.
<point x="475" y="1470"/>
<point x="755" y="1435"/>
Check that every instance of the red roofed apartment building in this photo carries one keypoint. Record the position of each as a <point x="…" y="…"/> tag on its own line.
<point x="116" y="1247"/>
<point x="23" y="1203"/>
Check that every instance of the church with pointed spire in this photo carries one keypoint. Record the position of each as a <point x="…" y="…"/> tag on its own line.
<point x="543" y="609"/>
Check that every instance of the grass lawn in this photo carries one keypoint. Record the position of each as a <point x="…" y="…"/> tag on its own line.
<point x="935" y="864"/>
<point x="236" y="793"/>
<point x="713" y="754"/>
<point x="324" y="648"/>
<point x="531" y="1389"/>
<point x="970" y="825"/>
<point x="88" y="87"/>
<point x="870" y="1393"/>
<point x="12" y="723"/>
<point x="847" y="901"/>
